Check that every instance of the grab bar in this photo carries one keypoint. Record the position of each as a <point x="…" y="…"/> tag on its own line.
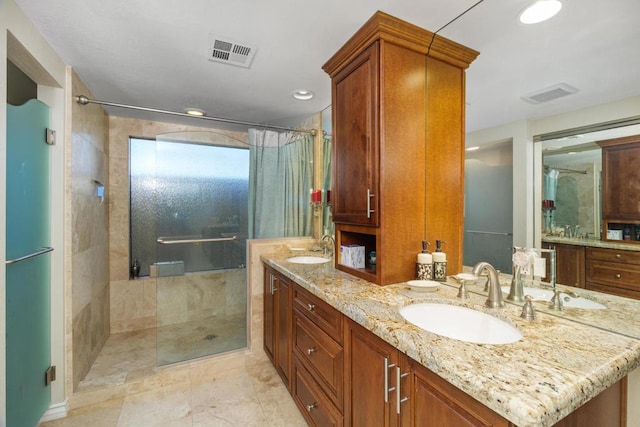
<point x="31" y="255"/>
<point x="164" y="241"/>
<point x="491" y="233"/>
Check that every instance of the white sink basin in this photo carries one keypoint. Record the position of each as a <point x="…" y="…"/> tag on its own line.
<point x="461" y="323"/>
<point x="308" y="259"/>
<point x="567" y="300"/>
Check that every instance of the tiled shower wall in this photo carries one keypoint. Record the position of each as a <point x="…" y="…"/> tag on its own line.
<point x="87" y="160"/>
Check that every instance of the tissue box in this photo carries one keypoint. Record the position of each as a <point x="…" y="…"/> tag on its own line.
<point x="352" y="256"/>
<point x="614" y="234"/>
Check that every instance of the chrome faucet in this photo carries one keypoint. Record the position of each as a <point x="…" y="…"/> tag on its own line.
<point x="328" y="248"/>
<point x="494" y="300"/>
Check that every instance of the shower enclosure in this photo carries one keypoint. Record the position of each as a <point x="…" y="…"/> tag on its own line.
<point x="188" y="230"/>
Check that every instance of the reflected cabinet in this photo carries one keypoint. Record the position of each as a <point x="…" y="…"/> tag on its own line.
<point x="398" y="149"/>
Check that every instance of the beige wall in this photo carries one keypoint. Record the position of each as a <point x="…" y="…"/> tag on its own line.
<point x="87" y="162"/>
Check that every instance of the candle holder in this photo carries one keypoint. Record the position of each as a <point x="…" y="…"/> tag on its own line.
<point x="548" y="206"/>
<point x="316" y="199"/>
<point x="327" y="203"/>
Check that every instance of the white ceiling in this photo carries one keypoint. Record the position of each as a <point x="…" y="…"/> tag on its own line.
<point x="152" y="53"/>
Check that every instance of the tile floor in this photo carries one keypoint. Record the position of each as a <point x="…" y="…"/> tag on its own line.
<point x="239" y="389"/>
<point x="126" y="388"/>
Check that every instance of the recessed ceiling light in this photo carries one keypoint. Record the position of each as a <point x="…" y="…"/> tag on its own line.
<point x="195" y="112"/>
<point x="474" y="148"/>
<point x="539" y="11"/>
<point x="302" y="95"/>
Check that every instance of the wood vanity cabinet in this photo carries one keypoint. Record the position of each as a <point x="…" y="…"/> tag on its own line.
<point x="277" y="322"/>
<point x="341" y="374"/>
<point x="398" y="145"/>
<point x="387" y="388"/>
<point x="614" y="271"/>
<point x="318" y="365"/>
<point x="621" y="186"/>
<point x="570" y="264"/>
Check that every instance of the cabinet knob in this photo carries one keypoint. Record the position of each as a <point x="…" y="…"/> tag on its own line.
<point x="310" y="350"/>
<point x="313" y="405"/>
<point x="618" y="256"/>
<point x="311" y="307"/>
<point x="618" y="275"/>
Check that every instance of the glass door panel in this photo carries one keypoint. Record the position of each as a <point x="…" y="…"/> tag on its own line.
<point x="28" y="275"/>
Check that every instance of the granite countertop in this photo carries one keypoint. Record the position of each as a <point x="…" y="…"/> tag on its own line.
<point x="592" y="243"/>
<point x="556" y="367"/>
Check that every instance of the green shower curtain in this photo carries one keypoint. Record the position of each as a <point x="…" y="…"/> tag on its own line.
<point x="280" y="180"/>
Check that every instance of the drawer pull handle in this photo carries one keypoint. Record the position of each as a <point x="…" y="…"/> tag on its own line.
<point x="618" y="275"/>
<point x="618" y="256"/>
<point x="311" y="350"/>
<point x="311" y="307"/>
<point x="313" y="405"/>
<point x="399" y="399"/>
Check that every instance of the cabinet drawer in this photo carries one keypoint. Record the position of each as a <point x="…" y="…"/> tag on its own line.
<point x="613" y="255"/>
<point x="626" y="276"/>
<point x="319" y="312"/>
<point x="315" y="406"/>
<point x="320" y="354"/>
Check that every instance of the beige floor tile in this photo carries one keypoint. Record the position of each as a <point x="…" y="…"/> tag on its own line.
<point x="165" y="406"/>
<point x="104" y="414"/>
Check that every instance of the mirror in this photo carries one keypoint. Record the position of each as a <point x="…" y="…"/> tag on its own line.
<point x="571" y="188"/>
<point x="569" y="175"/>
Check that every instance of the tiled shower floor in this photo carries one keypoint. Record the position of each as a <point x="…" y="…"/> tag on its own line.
<point x="129" y="356"/>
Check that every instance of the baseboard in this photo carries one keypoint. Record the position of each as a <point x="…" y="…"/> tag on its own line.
<point x="55" y="411"/>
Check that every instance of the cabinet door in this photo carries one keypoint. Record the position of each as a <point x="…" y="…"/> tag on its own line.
<point x="278" y="323"/>
<point x="355" y="146"/>
<point x="621" y="179"/>
<point x="570" y="267"/>
<point x="284" y="330"/>
<point x="570" y="264"/>
<point x="269" y="313"/>
<point x="369" y="379"/>
<point x="435" y="402"/>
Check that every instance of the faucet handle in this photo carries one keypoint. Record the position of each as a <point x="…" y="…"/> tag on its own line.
<point x="528" y="312"/>
<point x="556" y="301"/>
<point x="462" y="291"/>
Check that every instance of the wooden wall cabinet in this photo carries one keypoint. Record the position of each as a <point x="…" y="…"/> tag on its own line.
<point x="398" y="145"/>
<point x="621" y="187"/>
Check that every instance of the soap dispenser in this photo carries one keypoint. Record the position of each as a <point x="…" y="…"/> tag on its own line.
<point x="424" y="266"/>
<point x="439" y="263"/>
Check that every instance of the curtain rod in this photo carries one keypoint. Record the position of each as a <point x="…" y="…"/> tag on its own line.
<point x="83" y="100"/>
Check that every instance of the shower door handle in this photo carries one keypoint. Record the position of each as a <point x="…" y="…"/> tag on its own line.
<point x="29" y="256"/>
<point x="170" y="241"/>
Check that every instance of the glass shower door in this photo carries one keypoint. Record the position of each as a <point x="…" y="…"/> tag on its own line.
<point x="28" y="340"/>
<point x="199" y="203"/>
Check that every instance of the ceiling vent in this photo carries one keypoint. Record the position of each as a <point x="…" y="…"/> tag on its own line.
<point x="228" y="51"/>
<point x="549" y="94"/>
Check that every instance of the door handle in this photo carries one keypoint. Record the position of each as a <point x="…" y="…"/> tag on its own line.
<point x="29" y="256"/>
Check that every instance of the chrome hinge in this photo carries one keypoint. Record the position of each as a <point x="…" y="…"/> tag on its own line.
<point x="50" y="136"/>
<point x="50" y="375"/>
